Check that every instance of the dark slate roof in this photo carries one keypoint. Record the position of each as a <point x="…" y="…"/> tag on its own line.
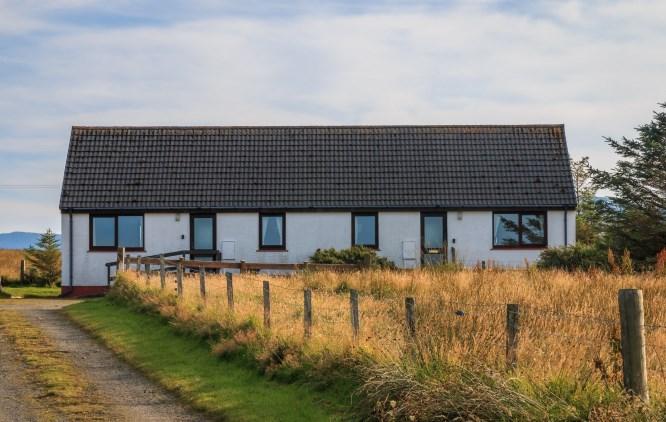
<point x="336" y="167"/>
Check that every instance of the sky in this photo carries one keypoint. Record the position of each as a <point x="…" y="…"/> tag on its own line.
<point x="596" y="66"/>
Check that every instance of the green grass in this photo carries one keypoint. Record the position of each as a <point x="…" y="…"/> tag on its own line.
<point x="31" y="291"/>
<point x="184" y="364"/>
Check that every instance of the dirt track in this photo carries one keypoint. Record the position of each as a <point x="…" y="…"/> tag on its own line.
<point x="128" y="395"/>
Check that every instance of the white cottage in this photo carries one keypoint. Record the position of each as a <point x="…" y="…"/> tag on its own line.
<point x="417" y="194"/>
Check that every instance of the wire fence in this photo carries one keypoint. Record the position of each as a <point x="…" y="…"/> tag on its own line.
<point x="497" y="334"/>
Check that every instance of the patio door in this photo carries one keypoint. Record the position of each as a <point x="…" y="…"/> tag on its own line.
<point x="202" y="236"/>
<point x="433" y="238"/>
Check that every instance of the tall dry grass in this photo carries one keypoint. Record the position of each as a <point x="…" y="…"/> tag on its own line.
<point x="569" y="336"/>
<point x="10" y="261"/>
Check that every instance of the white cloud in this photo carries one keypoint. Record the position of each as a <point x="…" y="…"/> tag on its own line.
<point x="595" y="66"/>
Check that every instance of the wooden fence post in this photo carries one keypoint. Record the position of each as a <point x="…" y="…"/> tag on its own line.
<point x="127" y="262"/>
<point x="138" y="264"/>
<point x="162" y="273"/>
<point x="307" y="313"/>
<point x="355" y="322"/>
<point x="202" y="282"/>
<point x="146" y="268"/>
<point x="242" y="266"/>
<point x="453" y="254"/>
<point x="179" y="277"/>
<point x="230" y="291"/>
<point x="632" y="330"/>
<point x="267" y="304"/>
<point x="22" y="270"/>
<point x="512" y="333"/>
<point x="483" y="265"/>
<point x="120" y="260"/>
<point x="410" y="305"/>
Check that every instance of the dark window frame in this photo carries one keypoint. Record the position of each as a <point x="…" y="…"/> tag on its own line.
<point x="283" y="245"/>
<point x="442" y="214"/>
<point x="206" y="252"/>
<point x="353" y="228"/>
<point x="520" y="244"/>
<point x="93" y="248"/>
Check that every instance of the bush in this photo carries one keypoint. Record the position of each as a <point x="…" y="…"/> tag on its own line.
<point x="571" y="258"/>
<point x="357" y="255"/>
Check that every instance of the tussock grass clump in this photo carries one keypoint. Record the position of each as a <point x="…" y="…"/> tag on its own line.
<point x="569" y="362"/>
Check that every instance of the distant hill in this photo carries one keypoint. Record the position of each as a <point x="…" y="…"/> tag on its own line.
<point x="19" y="240"/>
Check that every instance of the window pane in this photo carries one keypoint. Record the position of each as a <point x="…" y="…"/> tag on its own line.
<point x="433" y="232"/>
<point x="533" y="226"/>
<point x="130" y="231"/>
<point x="271" y="226"/>
<point x="506" y="229"/>
<point x="104" y="231"/>
<point x="203" y="232"/>
<point x="364" y="230"/>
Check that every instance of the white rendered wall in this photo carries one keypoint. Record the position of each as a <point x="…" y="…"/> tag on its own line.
<point x="305" y="233"/>
<point x="309" y="231"/>
<point x="473" y="236"/>
<point x="163" y="234"/>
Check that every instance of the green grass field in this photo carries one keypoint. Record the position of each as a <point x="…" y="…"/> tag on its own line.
<point x="225" y="389"/>
<point x="31" y="291"/>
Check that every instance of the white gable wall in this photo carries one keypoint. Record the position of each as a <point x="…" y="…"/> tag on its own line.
<point x="473" y="235"/>
<point x="399" y="239"/>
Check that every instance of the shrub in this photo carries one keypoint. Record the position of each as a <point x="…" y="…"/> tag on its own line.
<point x="357" y="255"/>
<point x="571" y="258"/>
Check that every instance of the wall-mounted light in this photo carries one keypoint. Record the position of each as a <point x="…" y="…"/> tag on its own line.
<point x="459" y="215"/>
<point x="177" y="216"/>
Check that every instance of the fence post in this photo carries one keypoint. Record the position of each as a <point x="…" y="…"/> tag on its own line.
<point x="230" y="291"/>
<point x="483" y="265"/>
<point x="410" y="305"/>
<point x="267" y="304"/>
<point x="632" y="330"/>
<point x="307" y="313"/>
<point x="146" y="268"/>
<point x="202" y="282"/>
<point x="453" y="254"/>
<point x="138" y="264"/>
<point x="22" y="269"/>
<point x="179" y="277"/>
<point x="512" y="332"/>
<point x="120" y="260"/>
<point x="162" y="273"/>
<point x="355" y="322"/>
<point x="127" y="262"/>
<point x="242" y="266"/>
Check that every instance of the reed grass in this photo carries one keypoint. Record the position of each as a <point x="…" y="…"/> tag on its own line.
<point x="569" y="361"/>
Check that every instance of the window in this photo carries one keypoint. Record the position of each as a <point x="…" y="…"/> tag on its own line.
<point x="109" y="232"/>
<point x="519" y="229"/>
<point x="364" y="230"/>
<point x="271" y="232"/>
<point x="203" y="232"/>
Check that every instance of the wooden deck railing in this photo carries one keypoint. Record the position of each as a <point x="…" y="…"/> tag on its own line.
<point x="161" y="263"/>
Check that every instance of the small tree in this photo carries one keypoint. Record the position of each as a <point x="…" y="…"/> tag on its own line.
<point x="45" y="258"/>
<point x="587" y="217"/>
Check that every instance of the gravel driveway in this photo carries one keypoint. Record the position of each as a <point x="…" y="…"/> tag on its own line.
<point x="128" y="395"/>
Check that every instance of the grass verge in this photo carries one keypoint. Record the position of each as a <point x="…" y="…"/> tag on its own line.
<point x="65" y="392"/>
<point x="184" y="364"/>
<point x="31" y="291"/>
